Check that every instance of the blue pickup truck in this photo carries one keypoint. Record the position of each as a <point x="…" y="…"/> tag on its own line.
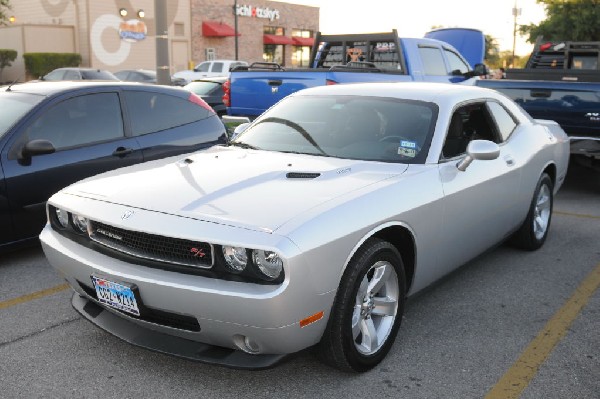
<point x="561" y="82"/>
<point x="358" y="58"/>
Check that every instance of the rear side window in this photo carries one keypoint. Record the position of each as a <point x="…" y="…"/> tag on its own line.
<point x="217" y="67"/>
<point x="433" y="61"/>
<point x="152" y="112"/>
<point x="504" y="121"/>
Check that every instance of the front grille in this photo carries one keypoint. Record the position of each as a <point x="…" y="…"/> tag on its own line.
<point x="154" y="247"/>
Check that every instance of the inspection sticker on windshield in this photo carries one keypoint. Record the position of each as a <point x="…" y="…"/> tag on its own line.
<point x="116" y="295"/>
<point x="407" y="148"/>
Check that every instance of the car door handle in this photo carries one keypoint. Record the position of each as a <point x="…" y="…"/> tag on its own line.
<point x="122" y="152"/>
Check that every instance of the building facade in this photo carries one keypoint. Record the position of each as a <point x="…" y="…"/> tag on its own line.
<point x="121" y="34"/>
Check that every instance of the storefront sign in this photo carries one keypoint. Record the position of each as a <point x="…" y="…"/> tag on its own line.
<point x="257" y="12"/>
<point x="133" y="30"/>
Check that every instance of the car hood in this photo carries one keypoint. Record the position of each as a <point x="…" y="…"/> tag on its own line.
<point x="257" y="190"/>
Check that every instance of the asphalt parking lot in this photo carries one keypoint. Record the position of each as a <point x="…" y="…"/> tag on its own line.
<point x="509" y="324"/>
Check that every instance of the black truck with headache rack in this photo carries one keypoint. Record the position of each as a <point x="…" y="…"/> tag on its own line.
<point x="561" y="82"/>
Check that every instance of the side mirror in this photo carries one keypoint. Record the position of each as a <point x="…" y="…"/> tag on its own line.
<point x="239" y="129"/>
<point x="233" y="122"/>
<point x="37" y="147"/>
<point x="482" y="150"/>
<point x="480" y="69"/>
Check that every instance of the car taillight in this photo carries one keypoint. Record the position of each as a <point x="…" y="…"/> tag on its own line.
<point x="226" y="93"/>
<point x="197" y="100"/>
<point x="330" y="82"/>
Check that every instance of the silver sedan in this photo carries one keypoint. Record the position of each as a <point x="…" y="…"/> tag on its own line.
<point x="311" y="227"/>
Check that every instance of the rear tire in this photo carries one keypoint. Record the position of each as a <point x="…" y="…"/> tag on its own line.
<point x="534" y="230"/>
<point x="368" y="309"/>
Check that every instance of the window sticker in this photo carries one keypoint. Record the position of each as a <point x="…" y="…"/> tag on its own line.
<point x="407" y="149"/>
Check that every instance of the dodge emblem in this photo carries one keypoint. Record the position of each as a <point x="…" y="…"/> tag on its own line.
<point x="127" y="214"/>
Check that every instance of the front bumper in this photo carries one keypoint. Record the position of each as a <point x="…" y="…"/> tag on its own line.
<point x="226" y="312"/>
<point x="176" y="346"/>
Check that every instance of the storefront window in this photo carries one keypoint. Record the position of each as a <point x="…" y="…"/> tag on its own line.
<point x="301" y="54"/>
<point x="273" y="53"/>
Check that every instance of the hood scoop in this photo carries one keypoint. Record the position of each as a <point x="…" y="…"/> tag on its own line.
<point x="302" y="175"/>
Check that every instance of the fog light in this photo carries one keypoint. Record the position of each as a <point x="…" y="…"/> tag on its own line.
<point x="246" y="344"/>
<point x="236" y="258"/>
<point x="268" y="262"/>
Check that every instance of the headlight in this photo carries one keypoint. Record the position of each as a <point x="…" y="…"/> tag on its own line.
<point x="80" y="223"/>
<point x="236" y="258"/>
<point x="269" y="263"/>
<point x="62" y="217"/>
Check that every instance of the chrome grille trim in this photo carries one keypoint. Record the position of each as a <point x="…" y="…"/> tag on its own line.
<point x="152" y="247"/>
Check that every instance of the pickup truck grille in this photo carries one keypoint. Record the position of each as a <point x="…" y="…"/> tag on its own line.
<point x="153" y="247"/>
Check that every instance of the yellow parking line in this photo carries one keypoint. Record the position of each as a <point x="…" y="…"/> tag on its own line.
<point x="577" y="215"/>
<point x="516" y="379"/>
<point x="32" y="296"/>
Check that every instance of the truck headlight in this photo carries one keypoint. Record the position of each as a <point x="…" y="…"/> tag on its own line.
<point x="268" y="263"/>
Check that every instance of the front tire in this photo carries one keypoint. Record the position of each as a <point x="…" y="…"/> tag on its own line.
<point x="532" y="234"/>
<point x="368" y="309"/>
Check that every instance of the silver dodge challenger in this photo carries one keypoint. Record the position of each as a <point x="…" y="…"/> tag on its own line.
<point x="311" y="227"/>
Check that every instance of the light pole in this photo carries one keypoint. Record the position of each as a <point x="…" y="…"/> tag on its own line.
<point x="163" y="75"/>
<point x="235" y="22"/>
<point x="515" y="12"/>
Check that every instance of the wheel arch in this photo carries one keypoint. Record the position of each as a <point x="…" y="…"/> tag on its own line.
<point x="550" y="170"/>
<point x="402" y="238"/>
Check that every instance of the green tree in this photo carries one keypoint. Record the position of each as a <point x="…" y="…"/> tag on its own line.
<point x="7" y="57"/>
<point x="492" y="52"/>
<point x="574" y="20"/>
<point x="4" y="8"/>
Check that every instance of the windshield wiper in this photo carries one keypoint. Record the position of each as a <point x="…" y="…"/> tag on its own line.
<point x="243" y="145"/>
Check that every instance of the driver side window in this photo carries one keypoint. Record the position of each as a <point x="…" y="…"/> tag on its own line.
<point x="470" y="122"/>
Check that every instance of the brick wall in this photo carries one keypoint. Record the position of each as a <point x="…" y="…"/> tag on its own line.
<point x="250" y="41"/>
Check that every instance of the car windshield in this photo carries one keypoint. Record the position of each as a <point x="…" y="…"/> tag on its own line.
<point x="352" y="127"/>
<point x="13" y="106"/>
<point x="201" y="88"/>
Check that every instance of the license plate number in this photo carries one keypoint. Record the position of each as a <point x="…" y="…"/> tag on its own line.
<point x="116" y="295"/>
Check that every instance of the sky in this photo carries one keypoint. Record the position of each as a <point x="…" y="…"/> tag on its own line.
<point x="416" y="17"/>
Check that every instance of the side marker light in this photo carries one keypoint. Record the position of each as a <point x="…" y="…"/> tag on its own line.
<point x="311" y="319"/>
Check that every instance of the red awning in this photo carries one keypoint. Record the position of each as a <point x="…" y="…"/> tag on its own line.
<point x="277" y="39"/>
<point x="217" y="29"/>
<point x="303" y="41"/>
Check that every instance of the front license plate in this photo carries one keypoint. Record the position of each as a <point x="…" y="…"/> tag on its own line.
<point x="116" y="295"/>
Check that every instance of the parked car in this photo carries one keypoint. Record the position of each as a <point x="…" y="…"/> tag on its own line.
<point x="311" y="227"/>
<point x="55" y="133"/>
<point x="209" y="69"/>
<point x="211" y="91"/>
<point x="79" y="74"/>
<point x="144" y="76"/>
